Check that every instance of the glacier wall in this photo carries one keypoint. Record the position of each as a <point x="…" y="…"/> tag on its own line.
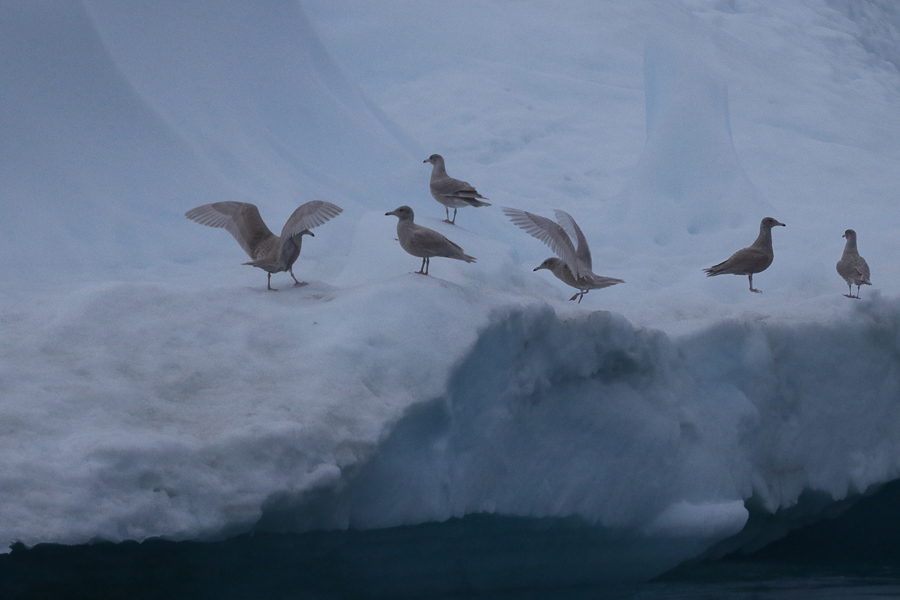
<point x="307" y="412"/>
<point x="633" y="430"/>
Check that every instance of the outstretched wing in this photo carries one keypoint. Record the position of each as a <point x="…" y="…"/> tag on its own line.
<point x="550" y="233"/>
<point x="240" y="219"/>
<point x="582" y="251"/>
<point x="309" y="215"/>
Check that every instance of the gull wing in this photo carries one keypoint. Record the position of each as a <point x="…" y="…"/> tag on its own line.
<point x="429" y="242"/>
<point x="454" y="188"/>
<point x="582" y="251"/>
<point x="745" y="261"/>
<point x="550" y="233"/>
<point x="309" y="215"/>
<point x="863" y="268"/>
<point x="240" y="219"/>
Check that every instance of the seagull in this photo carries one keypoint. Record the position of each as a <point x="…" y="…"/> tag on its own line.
<point x="423" y="242"/>
<point x="754" y="259"/>
<point x="452" y="193"/>
<point x="573" y="267"/>
<point x="853" y="267"/>
<point x="269" y="252"/>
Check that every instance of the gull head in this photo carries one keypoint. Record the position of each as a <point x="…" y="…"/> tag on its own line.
<point x="403" y="213"/>
<point x="549" y="264"/>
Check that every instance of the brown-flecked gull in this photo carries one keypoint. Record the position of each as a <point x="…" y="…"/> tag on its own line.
<point x="574" y="265"/>
<point x="452" y="193"/>
<point x="853" y="267"/>
<point x="423" y="242"/>
<point x="269" y="252"/>
<point x="754" y="259"/>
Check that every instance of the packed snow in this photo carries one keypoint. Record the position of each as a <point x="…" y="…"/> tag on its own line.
<point x="151" y="386"/>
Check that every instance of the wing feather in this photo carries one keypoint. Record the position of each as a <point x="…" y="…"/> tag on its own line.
<point x="863" y="268"/>
<point x="309" y="215"/>
<point x="550" y="233"/>
<point x="454" y="187"/>
<point x="582" y="250"/>
<point x="432" y="242"/>
<point x="241" y="219"/>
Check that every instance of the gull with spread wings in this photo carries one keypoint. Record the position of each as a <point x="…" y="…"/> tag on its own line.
<point x="269" y="252"/>
<point x="573" y="267"/>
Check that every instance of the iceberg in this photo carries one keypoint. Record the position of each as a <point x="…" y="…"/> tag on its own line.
<point x="150" y="387"/>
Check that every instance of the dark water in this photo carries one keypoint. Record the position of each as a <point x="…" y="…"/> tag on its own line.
<point x="855" y="554"/>
<point x="274" y="570"/>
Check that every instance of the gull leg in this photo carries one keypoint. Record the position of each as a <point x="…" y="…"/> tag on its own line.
<point x="427" y="264"/>
<point x="421" y="270"/>
<point x="447" y="210"/>
<point x="269" y="283"/>
<point x="453" y="222"/>
<point x="297" y="283"/>
<point x="753" y="289"/>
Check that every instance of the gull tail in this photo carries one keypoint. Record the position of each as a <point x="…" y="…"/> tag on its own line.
<point x="714" y="270"/>
<point x="265" y="265"/>
<point x="476" y="203"/>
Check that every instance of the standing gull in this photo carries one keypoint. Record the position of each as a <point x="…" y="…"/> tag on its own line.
<point x="452" y="193"/>
<point x="269" y="252"/>
<point x="573" y="267"/>
<point x="754" y="259"/>
<point x="423" y="242"/>
<point x="853" y="267"/>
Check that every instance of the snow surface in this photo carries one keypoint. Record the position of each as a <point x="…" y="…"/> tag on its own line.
<point x="149" y="385"/>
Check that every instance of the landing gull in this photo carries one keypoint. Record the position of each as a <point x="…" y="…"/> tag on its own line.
<point x="423" y="242"/>
<point x="853" y="267"/>
<point x="754" y="259"/>
<point x="269" y="252"/>
<point x="574" y="265"/>
<point x="452" y="193"/>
